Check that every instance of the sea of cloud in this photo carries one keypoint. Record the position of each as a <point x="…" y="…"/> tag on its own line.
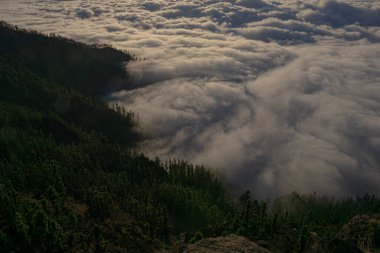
<point x="275" y="96"/>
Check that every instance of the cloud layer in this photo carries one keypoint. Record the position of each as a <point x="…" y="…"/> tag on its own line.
<point x="276" y="96"/>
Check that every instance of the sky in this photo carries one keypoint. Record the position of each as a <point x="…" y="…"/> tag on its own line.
<point x="274" y="96"/>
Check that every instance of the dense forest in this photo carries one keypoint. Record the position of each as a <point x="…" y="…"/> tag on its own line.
<point x="71" y="182"/>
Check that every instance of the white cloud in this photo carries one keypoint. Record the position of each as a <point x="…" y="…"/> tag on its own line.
<point x="276" y="96"/>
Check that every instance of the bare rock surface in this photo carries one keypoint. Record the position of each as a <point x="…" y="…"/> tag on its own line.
<point x="228" y="244"/>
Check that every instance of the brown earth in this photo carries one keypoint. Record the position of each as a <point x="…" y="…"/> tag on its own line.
<point x="228" y="244"/>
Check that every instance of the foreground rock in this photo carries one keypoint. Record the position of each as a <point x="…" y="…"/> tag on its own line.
<point x="228" y="244"/>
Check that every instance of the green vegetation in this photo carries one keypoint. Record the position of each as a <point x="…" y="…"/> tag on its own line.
<point x="92" y="70"/>
<point x="70" y="181"/>
<point x="297" y="223"/>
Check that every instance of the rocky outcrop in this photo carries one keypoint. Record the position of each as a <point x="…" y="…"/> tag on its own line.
<point x="228" y="244"/>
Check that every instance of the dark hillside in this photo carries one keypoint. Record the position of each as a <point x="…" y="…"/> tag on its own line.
<point x="92" y="70"/>
<point x="21" y="86"/>
<point x="68" y="179"/>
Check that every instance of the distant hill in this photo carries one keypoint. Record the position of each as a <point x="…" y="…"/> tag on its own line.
<point x="90" y="69"/>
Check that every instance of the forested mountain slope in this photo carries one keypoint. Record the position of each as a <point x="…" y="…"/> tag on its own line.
<point x="68" y="180"/>
<point x="90" y="69"/>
